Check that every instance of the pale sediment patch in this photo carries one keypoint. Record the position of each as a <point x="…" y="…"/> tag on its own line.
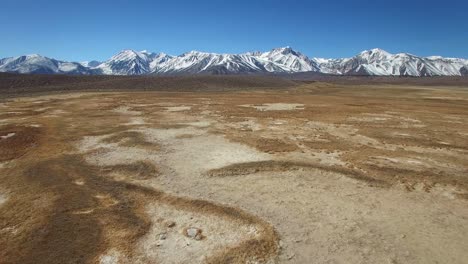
<point x="79" y="182"/>
<point x="83" y="211"/>
<point x="56" y="113"/>
<point x="405" y="122"/>
<point x="163" y="136"/>
<point x="200" y="154"/>
<point x="342" y="131"/>
<point x="278" y="122"/>
<point x="445" y="98"/>
<point x="371" y="118"/>
<point x="9" y="135"/>
<point x="39" y="101"/>
<point x="403" y="135"/>
<point x="3" y="198"/>
<point x="165" y="244"/>
<point x="276" y="107"/>
<point x="42" y="109"/>
<point x="426" y="150"/>
<point x="178" y="108"/>
<point x="126" y="110"/>
<point x="448" y="191"/>
<point x="200" y="124"/>
<point x="89" y="143"/>
<point x="328" y="158"/>
<point x="411" y="163"/>
<point x="136" y="121"/>
<point x="108" y="154"/>
<point x="143" y="105"/>
<point x="248" y="125"/>
<point x="111" y="257"/>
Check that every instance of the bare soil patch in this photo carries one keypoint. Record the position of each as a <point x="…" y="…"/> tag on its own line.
<point x="15" y="141"/>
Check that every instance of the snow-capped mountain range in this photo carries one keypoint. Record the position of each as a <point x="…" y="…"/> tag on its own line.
<point x="281" y="60"/>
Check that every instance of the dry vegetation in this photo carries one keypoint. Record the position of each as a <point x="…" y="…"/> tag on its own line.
<point x="313" y="172"/>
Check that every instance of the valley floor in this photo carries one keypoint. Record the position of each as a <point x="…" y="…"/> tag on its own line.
<point x="316" y="173"/>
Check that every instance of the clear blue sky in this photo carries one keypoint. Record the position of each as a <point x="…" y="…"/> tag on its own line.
<point x="84" y="29"/>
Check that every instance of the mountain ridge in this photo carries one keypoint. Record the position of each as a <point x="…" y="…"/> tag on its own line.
<point x="285" y="60"/>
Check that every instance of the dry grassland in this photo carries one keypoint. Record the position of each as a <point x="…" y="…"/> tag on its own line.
<point x="315" y="173"/>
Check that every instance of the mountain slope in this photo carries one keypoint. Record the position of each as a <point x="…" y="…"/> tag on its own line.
<point x="381" y="63"/>
<point x="276" y="61"/>
<point x="42" y="65"/>
<point x="195" y="62"/>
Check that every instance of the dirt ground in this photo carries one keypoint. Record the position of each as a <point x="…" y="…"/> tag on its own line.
<point x="315" y="173"/>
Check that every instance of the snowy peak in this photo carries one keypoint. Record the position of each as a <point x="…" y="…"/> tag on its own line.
<point x="290" y="59"/>
<point x="126" y="55"/>
<point x="284" y="51"/>
<point x="158" y="60"/>
<point x="374" y="55"/>
<point x="127" y="62"/>
<point x="375" y="51"/>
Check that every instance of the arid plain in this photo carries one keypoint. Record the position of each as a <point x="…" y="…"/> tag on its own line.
<point x="313" y="172"/>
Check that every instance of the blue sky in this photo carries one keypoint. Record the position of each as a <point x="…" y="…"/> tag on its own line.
<point x="84" y="30"/>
